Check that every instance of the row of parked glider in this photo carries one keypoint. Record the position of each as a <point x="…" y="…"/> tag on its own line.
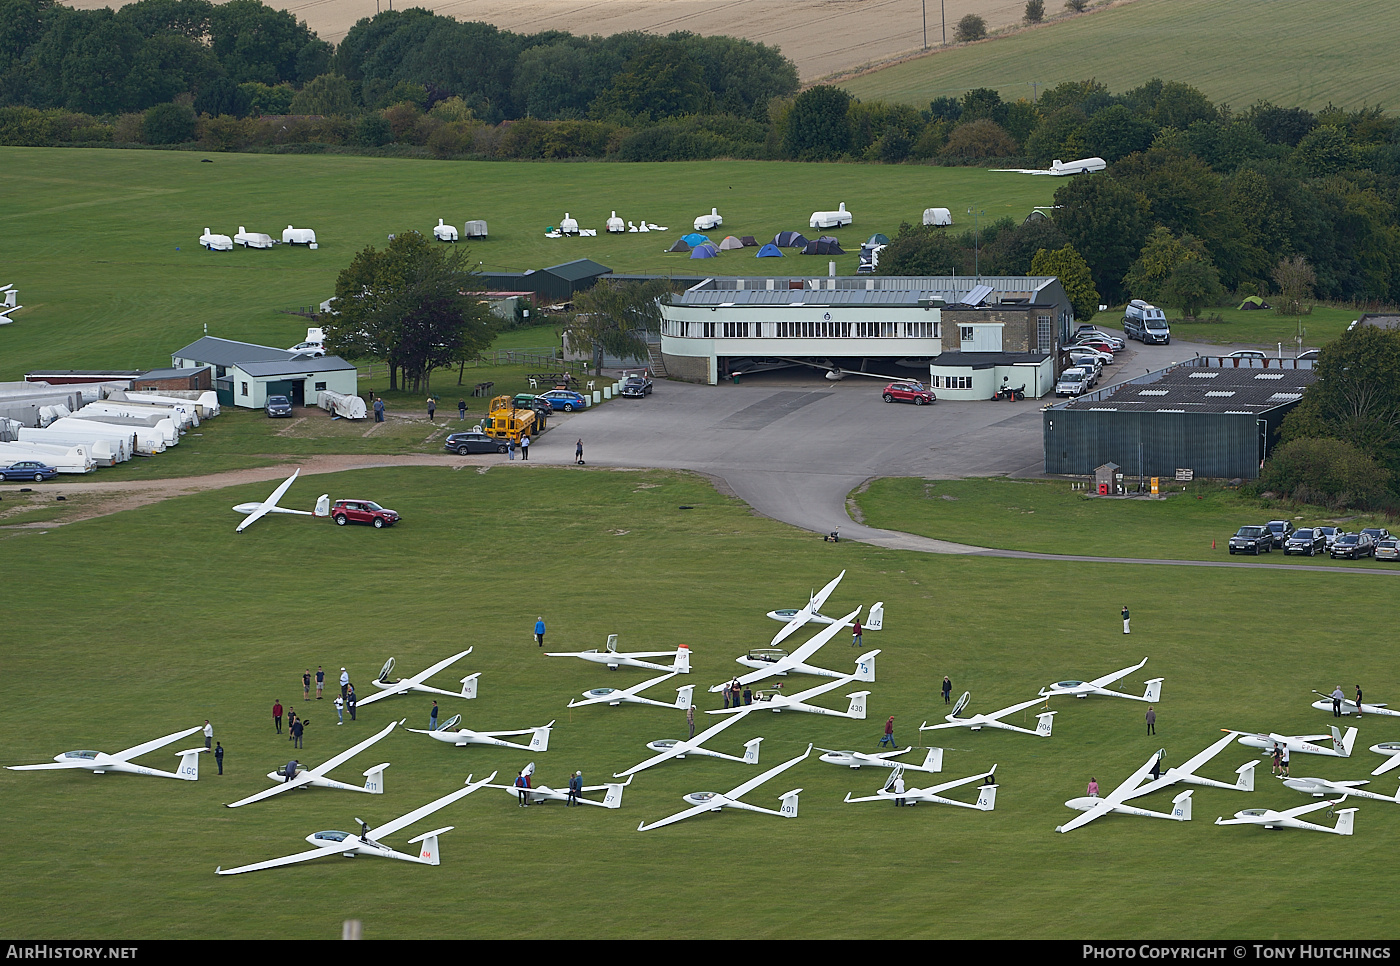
<point x="216" y="242"/>
<point x="9" y="302"/>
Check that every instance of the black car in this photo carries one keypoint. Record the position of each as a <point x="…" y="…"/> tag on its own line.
<point x="465" y="443"/>
<point x="636" y="386"/>
<point x="1255" y="540"/>
<point x="1308" y="541"/>
<point x="1353" y="546"/>
<point x="1282" y="530"/>
<point x="278" y="406"/>
<point x="1377" y="534"/>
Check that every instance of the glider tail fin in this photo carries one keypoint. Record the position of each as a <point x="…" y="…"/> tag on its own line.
<point x="323" y="506"/>
<point x="1181" y="807"/>
<point x="682" y="661"/>
<point x="987" y="797"/>
<point x="540" y="742"/>
<point x="1154" y="690"/>
<point x="1246" y="773"/>
<point x="469" y="685"/>
<point x="789" y="806"/>
<point x="374" y="779"/>
<point x="865" y="666"/>
<point x="1342" y="743"/>
<point x="683" y="697"/>
<point x="428" y="851"/>
<point x="876" y="617"/>
<point x="857" y="708"/>
<point x="1345" y="821"/>
<point x="751" y="751"/>
<point x="189" y="764"/>
<point x="613" y="799"/>
<point x="1044" y="723"/>
<point x="933" y="761"/>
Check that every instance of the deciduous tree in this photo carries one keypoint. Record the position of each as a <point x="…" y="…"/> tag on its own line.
<point x="1073" y="272"/>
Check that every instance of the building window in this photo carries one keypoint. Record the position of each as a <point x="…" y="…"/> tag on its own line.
<point x="245" y="387"/>
<point x="320" y="387"/>
<point x="1043" y="333"/>
<point x="967" y="332"/>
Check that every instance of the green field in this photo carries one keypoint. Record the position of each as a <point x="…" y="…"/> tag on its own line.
<point x="1237" y="53"/>
<point x="1261" y="327"/>
<point x="102" y="244"/>
<point x="149" y="621"/>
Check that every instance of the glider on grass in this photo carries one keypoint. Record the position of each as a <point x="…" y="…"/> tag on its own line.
<point x="1318" y="787"/>
<point x="1044" y="721"/>
<point x="773" y="699"/>
<point x="614" y="658"/>
<point x="1349" y="706"/>
<point x="465" y="736"/>
<point x="1082" y="689"/>
<point x="256" y="511"/>
<point x="669" y="748"/>
<point x="1391" y="749"/>
<point x="99" y="762"/>
<point x="632" y="695"/>
<point x="333" y="842"/>
<point x="1303" y="744"/>
<point x="540" y="794"/>
<point x="772" y="661"/>
<point x="933" y="761"/>
<point x="701" y="802"/>
<point x="1060" y="168"/>
<point x="415" y="683"/>
<point x="1288" y="818"/>
<point x="812" y="613"/>
<point x="1186" y="771"/>
<point x="316" y="777"/>
<point x="1094" y="807"/>
<point x="986" y="795"/>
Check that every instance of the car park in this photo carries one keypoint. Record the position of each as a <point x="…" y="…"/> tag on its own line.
<point x="1388" y="549"/>
<point x="1282" y="530"/>
<point x="1087" y="360"/>
<point x="1255" y="540"/>
<point x="1089" y="332"/>
<point x="911" y="392"/>
<point x="1353" y="546"/>
<point x="29" y="470"/>
<point x="464" y="444"/>
<point x="636" y="385"/>
<point x="278" y="406"/>
<point x="1310" y="541"/>
<point x="565" y="399"/>
<point x="363" y="511"/>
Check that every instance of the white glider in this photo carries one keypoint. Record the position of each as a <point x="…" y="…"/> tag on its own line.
<point x="1349" y="706"/>
<point x="702" y="802"/>
<point x="933" y="761"/>
<point x="316" y="777"/>
<point x="1082" y="689"/>
<point x="632" y="695"/>
<point x="774" y="700"/>
<point x="1186" y="771"/>
<point x="669" y="748"/>
<point x="770" y="662"/>
<point x="812" y="613"/>
<point x="415" y="683"/>
<point x="614" y="658"/>
<point x="986" y="794"/>
<point x="256" y="511"/>
<point x="1318" y="787"/>
<point x="332" y="842"/>
<point x="465" y="736"/>
<point x="1060" y="168"/>
<point x="1094" y="807"/>
<point x="99" y="762"/>
<point x="540" y="794"/>
<point x="1391" y="749"/>
<point x="1269" y="818"/>
<point x="1303" y="744"/>
<point x="1044" y="721"/>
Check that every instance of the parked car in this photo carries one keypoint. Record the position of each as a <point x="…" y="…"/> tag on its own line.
<point x="29" y="470"/>
<point x="1255" y="540"/>
<point x="1282" y="530"/>
<point x="1377" y="534"/>
<point x="464" y="444"/>
<point x="1353" y="546"/>
<point x="1309" y="354"/>
<point x="1388" y="549"/>
<point x="636" y="385"/>
<point x="1087" y="360"/>
<point x="314" y="349"/>
<point x="1146" y="323"/>
<point x="1247" y="354"/>
<point x="278" y="406"/>
<point x="1310" y="541"/>
<point x="913" y="392"/>
<point x="1072" y="382"/>
<point x="565" y="399"/>
<point x="1098" y="345"/>
<point x="1089" y="332"/>
<point x="1331" y="533"/>
<point x="363" y="511"/>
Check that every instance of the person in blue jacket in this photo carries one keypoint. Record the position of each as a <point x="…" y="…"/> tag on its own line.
<point x="539" y="631"/>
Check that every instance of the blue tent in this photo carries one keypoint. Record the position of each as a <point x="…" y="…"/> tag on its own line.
<point x="769" y="251"/>
<point x="707" y="250"/>
<point x="695" y="238"/>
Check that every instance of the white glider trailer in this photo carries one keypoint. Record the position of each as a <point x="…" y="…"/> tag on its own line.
<point x="65" y="459"/>
<point x="445" y="232"/>
<point x="937" y="217"/>
<point x="252" y="239"/>
<point x="108" y="451"/>
<point x="215" y="242"/>
<point x="144" y="441"/>
<point x="831" y="219"/>
<point x="299" y="236"/>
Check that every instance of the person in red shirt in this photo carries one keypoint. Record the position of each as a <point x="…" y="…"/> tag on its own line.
<point x="889" y="734"/>
<point x="277" y="714"/>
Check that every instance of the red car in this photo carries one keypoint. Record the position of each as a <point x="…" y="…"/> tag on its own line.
<point x="913" y="392"/>
<point x="363" y="511"/>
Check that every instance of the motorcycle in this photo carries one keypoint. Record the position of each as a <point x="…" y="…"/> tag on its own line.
<point x="1007" y="392"/>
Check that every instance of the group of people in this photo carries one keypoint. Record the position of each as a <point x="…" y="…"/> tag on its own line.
<point x="737" y="695"/>
<point x="523" y="786"/>
<point x="346" y="701"/>
<point x="1338" y="697"/>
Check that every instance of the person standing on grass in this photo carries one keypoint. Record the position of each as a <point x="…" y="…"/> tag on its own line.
<point x="208" y="734"/>
<point x="432" y="718"/>
<point x="306" y="685"/>
<point x="539" y="631"/>
<point x="277" y="714"/>
<point x="1151" y="720"/>
<point x="320" y="681"/>
<point x="889" y="734"/>
<point x="432" y="408"/>
<point x="856" y="630"/>
<point x="1358" y="700"/>
<point x="1337" y="698"/>
<point x="461" y="409"/>
<point x="947" y="690"/>
<point x="340" y="711"/>
<point x="350" y="700"/>
<point x="1125" y="618"/>
<point x="344" y="681"/>
<point x="1285" y="761"/>
<point x="690" y="718"/>
<point x="1093" y="790"/>
<point x="219" y="756"/>
<point x="379" y="410"/>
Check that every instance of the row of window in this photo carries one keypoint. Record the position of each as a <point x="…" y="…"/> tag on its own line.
<point x="800" y="330"/>
<point x="952" y="382"/>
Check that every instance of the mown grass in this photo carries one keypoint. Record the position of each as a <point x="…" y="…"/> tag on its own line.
<point x="1049" y="517"/>
<point x="1261" y="327"/>
<point x="149" y="621"/>
<point x="102" y="244"/>
<point x="1236" y="53"/>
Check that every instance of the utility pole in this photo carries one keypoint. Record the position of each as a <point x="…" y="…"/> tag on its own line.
<point x="943" y="14"/>
<point x="923" y="5"/>
<point x="976" y="242"/>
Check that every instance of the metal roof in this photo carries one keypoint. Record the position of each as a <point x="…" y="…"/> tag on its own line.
<point x="226" y="352"/>
<point x="862" y="289"/>
<point x="296" y="364"/>
<point x="1203" y="386"/>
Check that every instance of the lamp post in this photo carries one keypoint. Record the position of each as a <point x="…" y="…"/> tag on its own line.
<point x="976" y="243"/>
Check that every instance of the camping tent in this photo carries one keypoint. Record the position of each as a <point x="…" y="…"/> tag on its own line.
<point x="878" y="239"/>
<point x="749" y="242"/>
<point x="789" y="239"/>
<point x="707" y="250"/>
<point x="769" y="251"/>
<point x="1253" y="302"/>
<point x="695" y="238"/>
<point x="730" y="243"/>
<point x="679" y="246"/>
<point x="826" y="245"/>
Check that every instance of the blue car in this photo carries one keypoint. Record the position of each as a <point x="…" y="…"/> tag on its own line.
<point x="29" y="470"/>
<point x="565" y="399"/>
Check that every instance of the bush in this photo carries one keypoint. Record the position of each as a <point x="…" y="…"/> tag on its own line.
<point x="979" y="139"/>
<point x="970" y="28"/>
<point x="225" y="133"/>
<point x="1035" y="11"/>
<point x="1325" y="472"/>
<point x="1076" y="6"/>
<point x="169" y="124"/>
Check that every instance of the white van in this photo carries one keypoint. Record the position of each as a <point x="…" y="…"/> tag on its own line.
<point x="1146" y="323"/>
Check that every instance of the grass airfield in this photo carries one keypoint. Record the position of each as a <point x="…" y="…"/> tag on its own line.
<point x="145" y="622"/>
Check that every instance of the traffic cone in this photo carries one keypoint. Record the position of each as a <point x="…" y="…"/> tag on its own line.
<point x="1212" y="545"/>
